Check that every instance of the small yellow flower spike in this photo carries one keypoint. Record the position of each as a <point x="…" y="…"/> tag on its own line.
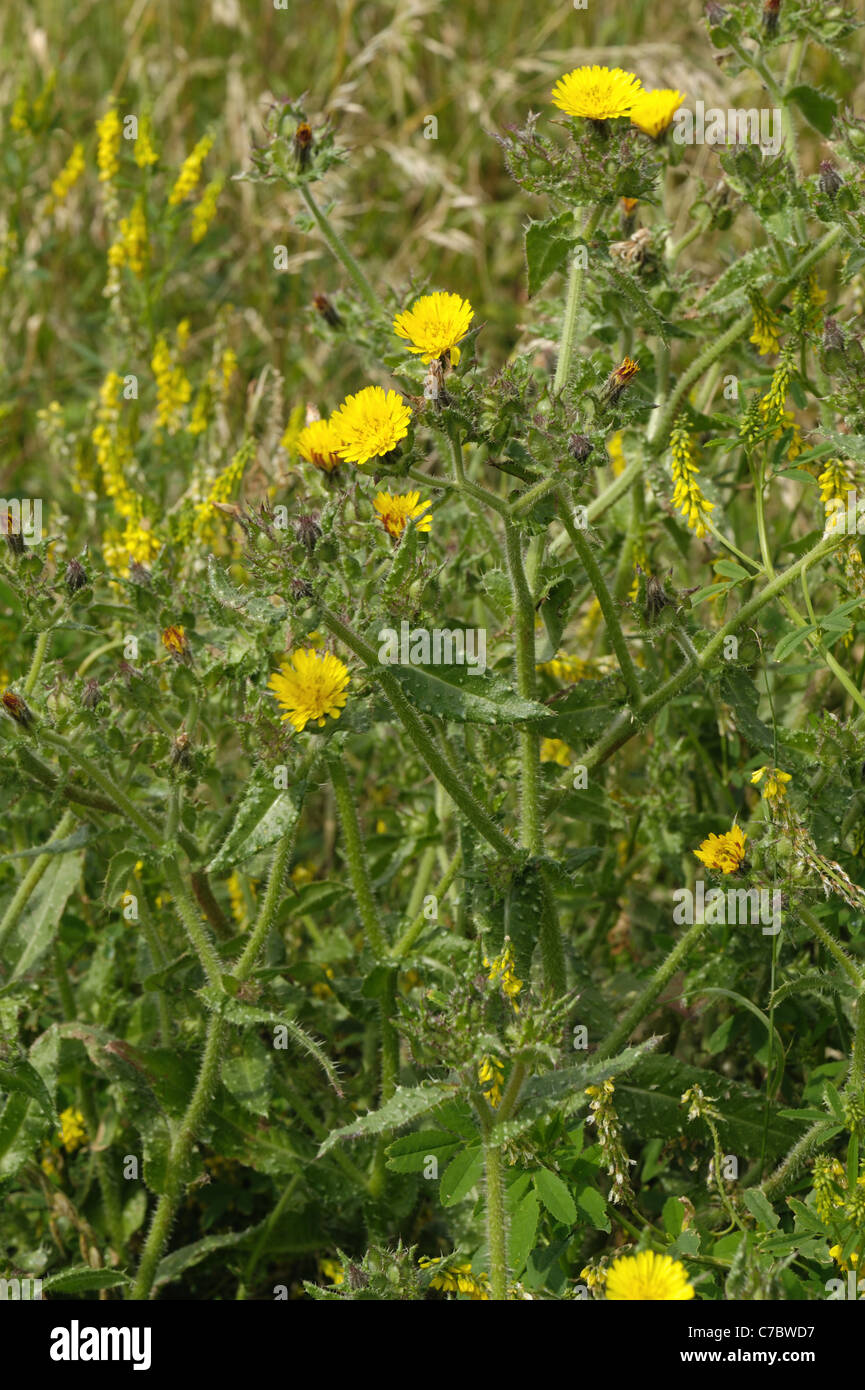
<point x="110" y="132"/>
<point x="370" y="424"/>
<point x="72" y="1131"/>
<point x="688" y="496"/>
<point x="600" y="94"/>
<point x="724" y="852"/>
<point x="190" y="171"/>
<point x="555" y="750"/>
<point x="309" y="687"/>
<point x="491" y="1074"/>
<point x="395" y="511"/>
<point x="775" y="788"/>
<point x="766" y="332"/>
<point x="435" y="324"/>
<point x="503" y="971"/>
<point x="648" y="1277"/>
<point x="653" y="111"/>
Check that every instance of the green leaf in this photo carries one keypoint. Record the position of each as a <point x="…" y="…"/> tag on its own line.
<point x="817" y="108"/>
<point x="462" y="1174"/>
<point x="263" y="817"/>
<point x="673" y="1216"/>
<point x="592" y="1205"/>
<point x="82" y="836"/>
<point x="410" y="1153"/>
<point x="752" y="269"/>
<point x="566" y="1088"/>
<point x="83" y="1279"/>
<point x="760" y="1208"/>
<point x="523" y="1229"/>
<point x="731" y="570"/>
<point x="547" y="247"/>
<point x="180" y="1260"/>
<point x="405" y="1105"/>
<point x="555" y="1196"/>
<point x="791" y="640"/>
<point x="21" y="1075"/>
<point x="40" y="922"/>
<point x="647" y="315"/>
<point x="455" y="692"/>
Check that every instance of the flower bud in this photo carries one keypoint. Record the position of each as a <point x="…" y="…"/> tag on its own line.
<point x="579" y="447"/>
<point x="303" y="145"/>
<point x="308" y="530"/>
<point x="16" y="708"/>
<point x="91" y="695"/>
<point x="833" y="338"/>
<point x="76" y="576"/>
<point x="324" y="307"/>
<point x="771" y="11"/>
<point x="830" y="179"/>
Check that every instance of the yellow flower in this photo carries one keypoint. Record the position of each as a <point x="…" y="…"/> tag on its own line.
<point x="72" y="1131"/>
<point x="555" y="750"/>
<point x="172" y="386"/>
<point x="68" y="176"/>
<point x="491" y="1074"/>
<point x="435" y="324"/>
<point x="310" y="686"/>
<point x="688" y="496"/>
<point x="190" y="171"/>
<point x="396" y="509"/>
<point x="648" y="1277"/>
<point x="457" y="1279"/>
<point x="616" y="452"/>
<point x="370" y="423"/>
<point x="653" y="111"/>
<point x="600" y="94"/>
<point x="332" y="1271"/>
<point x="318" y="443"/>
<point x="835" y="481"/>
<point x="725" y="852"/>
<point x="109" y="130"/>
<point x="205" y="211"/>
<point x="775" y="788"/>
<point x="145" y="154"/>
<point x="132" y="246"/>
<point x="174" y="641"/>
<point x="503" y="971"/>
<point x="766" y="332"/>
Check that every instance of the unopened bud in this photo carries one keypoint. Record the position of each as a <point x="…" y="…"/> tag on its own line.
<point x="76" y="576"/>
<point x="91" y="694"/>
<point x="830" y="179"/>
<point x="579" y="447"/>
<point x="308" y="530"/>
<point x="327" y="311"/>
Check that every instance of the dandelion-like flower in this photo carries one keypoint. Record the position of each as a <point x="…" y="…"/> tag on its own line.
<point x="766" y="330"/>
<point x="72" y="1131"/>
<point x="688" y="496"/>
<point x="775" y="788"/>
<point x="619" y="379"/>
<point x="310" y="686"/>
<point x="648" y="1277"/>
<point x="723" y="852"/>
<point x="599" y="94"/>
<point x="318" y="443"/>
<point x="434" y="325"/>
<point x="395" y="511"/>
<point x="175" y="641"/>
<point x="653" y="111"/>
<point x="370" y="423"/>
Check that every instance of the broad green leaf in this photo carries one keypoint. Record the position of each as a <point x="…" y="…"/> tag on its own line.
<point x="629" y="288"/>
<point x="41" y="920"/>
<point x="454" y="692"/>
<point x="752" y="269"/>
<point x="83" y="1279"/>
<point x="791" y="640"/>
<point x="818" y="109"/>
<point x="187" y="1256"/>
<point x="411" y="1153"/>
<point x="21" y="1075"/>
<point x="82" y="836"/>
<point x="264" y="816"/>
<point x="405" y="1105"/>
<point x="463" y="1173"/>
<point x="555" y="1196"/>
<point x="523" y="1229"/>
<point x="593" y="1206"/>
<point x="547" y="247"/>
<point x="760" y="1208"/>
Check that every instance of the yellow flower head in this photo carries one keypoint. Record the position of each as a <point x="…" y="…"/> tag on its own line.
<point x="174" y="641"/>
<point x="72" y="1131"/>
<point x="775" y="788"/>
<point x="600" y="94"/>
<point x="370" y="424"/>
<point x="395" y="511"/>
<point x="648" y="1277"/>
<point x="725" y="852"/>
<point x="555" y="750"/>
<point x="653" y="111"/>
<point x="310" y="686"/>
<point x="318" y="443"/>
<point x="435" y="324"/>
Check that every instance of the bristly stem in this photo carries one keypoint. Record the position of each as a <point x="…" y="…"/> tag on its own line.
<point x="573" y="304"/>
<point x="496" y="1231"/>
<point x="356" y="857"/>
<point x="42" y="644"/>
<point x="586" y="555"/>
<point x="524" y="645"/>
<point x="341" y="252"/>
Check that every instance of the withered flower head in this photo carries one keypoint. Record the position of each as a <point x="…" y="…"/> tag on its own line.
<point x="580" y="446"/>
<point x="180" y="754"/>
<point x="140" y="575"/>
<point x="303" y="144"/>
<point x="833" y="338"/>
<point x="830" y="180"/>
<point x="324" y="307"/>
<point x="16" y="708"/>
<point x="771" y="11"/>
<point x="76" y="576"/>
<point x="657" y="597"/>
<point x="716" y="14"/>
<point x="300" y="588"/>
<point x="619" y="379"/>
<point x="91" y="695"/>
<point x="14" y="538"/>
<point x="308" y="530"/>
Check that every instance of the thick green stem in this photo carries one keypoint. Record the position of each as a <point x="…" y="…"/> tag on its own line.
<point x="190" y="918"/>
<point x="620" y="1035"/>
<point x="275" y="884"/>
<point x="524" y="643"/>
<point x="416" y="926"/>
<point x="573" y="304"/>
<point x="496" y="1230"/>
<point x="105" y="784"/>
<point x="586" y="555"/>
<point x="832" y="946"/>
<point x="181" y="1149"/>
<point x="42" y="644"/>
<point x="356" y="856"/>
